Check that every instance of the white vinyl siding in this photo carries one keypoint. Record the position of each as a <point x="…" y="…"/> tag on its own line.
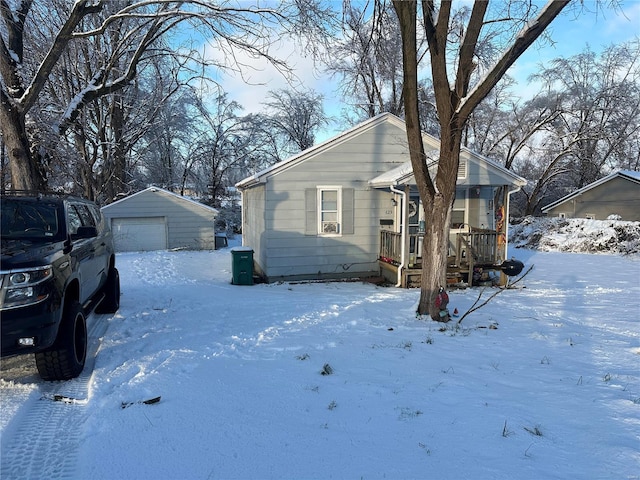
<point x="293" y="247"/>
<point x="317" y="217"/>
<point x="287" y="226"/>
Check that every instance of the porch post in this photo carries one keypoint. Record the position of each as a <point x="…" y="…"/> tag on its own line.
<point x="505" y="231"/>
<point x="505" y="228"/>
<point x="403" y="235"/>
<point x="405" y="228"/>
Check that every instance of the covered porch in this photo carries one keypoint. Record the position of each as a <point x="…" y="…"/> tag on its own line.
<point x="478" y="229"/>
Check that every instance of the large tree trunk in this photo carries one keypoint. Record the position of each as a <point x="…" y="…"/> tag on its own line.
<point x="435" y="248"/>
<point x="118" y="181"/>
<point x="437" y="198"/>
<point x="114" y="169"/>
<point x="437" y="201"/>
<point x="24" y="169"/>
<point x="437" y="214"/>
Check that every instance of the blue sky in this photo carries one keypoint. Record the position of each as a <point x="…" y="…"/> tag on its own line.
<point x="573" y="33"/>
<point x="592" y="23"/>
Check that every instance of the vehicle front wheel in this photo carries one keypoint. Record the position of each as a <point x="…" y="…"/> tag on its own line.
<point x="111" y="301"/>
<point x="66" y="358"/>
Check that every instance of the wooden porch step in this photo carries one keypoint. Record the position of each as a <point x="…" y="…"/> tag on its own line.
<point x="411" y="277"/>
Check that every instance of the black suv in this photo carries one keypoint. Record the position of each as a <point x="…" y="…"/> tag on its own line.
<point x="57" y="265"/>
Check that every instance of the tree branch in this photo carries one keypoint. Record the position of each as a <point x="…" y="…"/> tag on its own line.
<point x="407" y="14"/>
<point x="79" y="11"/>
<point x="526" y="37"/>
<point x="475" y="305"/>
<point x="468" y="47"/>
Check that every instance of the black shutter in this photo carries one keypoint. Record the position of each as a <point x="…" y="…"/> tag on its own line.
<point x="348" y="219"/>
<point x="311" y="212"/>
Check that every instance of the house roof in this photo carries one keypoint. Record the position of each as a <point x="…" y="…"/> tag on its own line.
<point x="403" y="174"/>
<point x="290" y="162"/>
<point x="166" y="192"/>
<point x="400" y="175"/>
<point x="630" y="175"/>
<point x="396" y="176"/>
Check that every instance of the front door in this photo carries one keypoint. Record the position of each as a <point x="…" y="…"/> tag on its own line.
<point x="416" y="229"/>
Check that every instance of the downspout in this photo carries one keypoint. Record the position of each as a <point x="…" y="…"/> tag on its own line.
<point x="506" y="222"/>
<point x="403" y="232"/>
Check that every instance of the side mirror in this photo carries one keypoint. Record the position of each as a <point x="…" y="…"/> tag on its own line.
<point x="86" y="232"/>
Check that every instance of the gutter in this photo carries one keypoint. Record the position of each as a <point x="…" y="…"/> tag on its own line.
<point x="403" y="232"/>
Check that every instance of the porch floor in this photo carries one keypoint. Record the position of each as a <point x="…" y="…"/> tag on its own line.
<point x="457" y="275"/>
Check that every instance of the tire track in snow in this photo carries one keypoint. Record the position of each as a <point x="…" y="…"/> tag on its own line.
<point x="45" y="443"/>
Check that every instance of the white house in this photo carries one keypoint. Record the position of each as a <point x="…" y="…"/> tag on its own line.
<point x="349" y="207"/>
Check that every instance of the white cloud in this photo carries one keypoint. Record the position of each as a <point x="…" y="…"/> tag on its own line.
<point x="249" y="78"/>
<point x="624" y="23"/>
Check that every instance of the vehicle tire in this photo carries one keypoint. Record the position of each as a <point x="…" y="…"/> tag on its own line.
<point x="111" y="301"/>
<point x="66" y="358"/>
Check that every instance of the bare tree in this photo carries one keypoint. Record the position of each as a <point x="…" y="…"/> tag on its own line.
<point x="455" y="101"/>
<point x="230" y="146"/>
<point x="516" y="134"/>
<point x="368" y="59"/>
<point x="170" y="127"/>
<point x="295" y="118"/>
<point x="119" y="36"/>
<point x="586" y="122"/>
<point x="598" y="102"/>
<point x="102" y="139"/>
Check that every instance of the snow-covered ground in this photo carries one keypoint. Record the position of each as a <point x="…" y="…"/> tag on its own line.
<point x="340" y="380"/>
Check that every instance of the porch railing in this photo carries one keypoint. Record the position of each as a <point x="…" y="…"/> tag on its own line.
<point x="479" y="246"/>
<point x="391" y="246"/>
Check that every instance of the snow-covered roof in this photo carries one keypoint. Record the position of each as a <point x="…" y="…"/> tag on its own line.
<point x="396" y="176"/>
<point x="403" y="174"/>
<point x="626" y="174"/>
<point x="317" y="149"/>
<point x="630" y="173"/>
<point x="162" y="190"/>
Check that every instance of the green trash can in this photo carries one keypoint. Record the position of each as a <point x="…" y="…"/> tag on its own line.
<point x="242" y="265"/>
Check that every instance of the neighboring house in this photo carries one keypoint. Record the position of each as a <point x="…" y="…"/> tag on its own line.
<point x="156" y="219"/>
<point x="616" y="194"/>
<point x="349" y="208"/>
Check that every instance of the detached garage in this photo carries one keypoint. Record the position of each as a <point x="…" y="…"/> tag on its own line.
<point x="156" y="219"/>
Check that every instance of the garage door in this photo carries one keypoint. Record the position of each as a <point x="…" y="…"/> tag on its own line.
<point x="139" y="234"/>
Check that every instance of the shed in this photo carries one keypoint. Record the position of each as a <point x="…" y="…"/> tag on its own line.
<point x="616" y="194"/>
<point x="156" y="219"/>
